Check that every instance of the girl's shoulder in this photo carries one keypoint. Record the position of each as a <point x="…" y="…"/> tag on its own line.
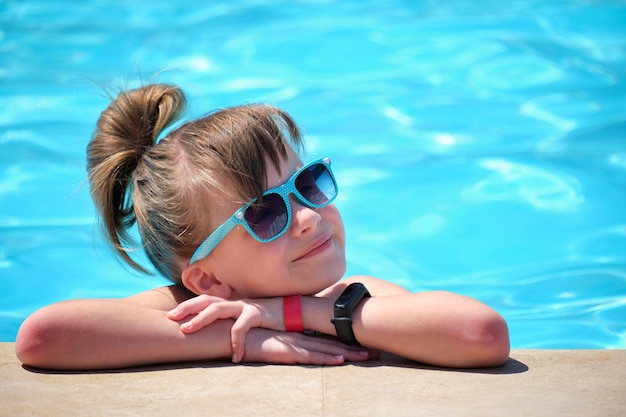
<point x="162" y="298"/>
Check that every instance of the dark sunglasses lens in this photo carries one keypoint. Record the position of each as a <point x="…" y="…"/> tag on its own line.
<point x="268" y="218"/>
<point x="316" y="184"/>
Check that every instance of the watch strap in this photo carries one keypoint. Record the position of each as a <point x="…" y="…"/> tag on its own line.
<point x="343" y="327"/>
<point x="350" y="298"/>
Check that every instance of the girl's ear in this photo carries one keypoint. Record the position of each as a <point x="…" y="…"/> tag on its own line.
<point x="199" y="280"/>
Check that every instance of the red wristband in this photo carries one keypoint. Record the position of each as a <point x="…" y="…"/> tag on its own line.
<point x="292" y="313"/>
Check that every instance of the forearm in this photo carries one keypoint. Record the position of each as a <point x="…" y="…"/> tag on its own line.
<point x="437" y="328"/>
<point x="99" y="334"/>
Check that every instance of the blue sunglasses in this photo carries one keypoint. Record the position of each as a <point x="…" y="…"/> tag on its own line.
<point x="313" y="185"/>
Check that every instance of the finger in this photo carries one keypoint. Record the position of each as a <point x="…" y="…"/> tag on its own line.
<point x="357" y="356"/>
<point x="318" y="358"/>
<point x="191" y="306"/>
<point x="209" y="315"/>
<point x="334" y="347"/>
<point x="238" y="332"/>
<point x="321" y="354"/>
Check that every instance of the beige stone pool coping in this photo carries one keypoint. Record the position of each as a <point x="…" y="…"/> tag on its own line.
<point x="532" y="383"/>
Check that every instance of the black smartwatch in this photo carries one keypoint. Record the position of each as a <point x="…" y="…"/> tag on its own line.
<point x="345" y="304"/>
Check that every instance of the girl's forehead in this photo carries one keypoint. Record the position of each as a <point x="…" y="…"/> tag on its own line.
<point x="287" y="168"/>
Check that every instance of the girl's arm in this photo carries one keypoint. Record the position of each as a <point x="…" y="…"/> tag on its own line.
<point x="110" y="333"/>
<point x="437" y="328"/>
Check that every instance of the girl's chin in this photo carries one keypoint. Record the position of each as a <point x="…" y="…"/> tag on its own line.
<point x="331" y="276"/>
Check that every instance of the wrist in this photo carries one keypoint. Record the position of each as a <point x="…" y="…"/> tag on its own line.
<point x="317" y="313"/>
<point x="292" y="314"/>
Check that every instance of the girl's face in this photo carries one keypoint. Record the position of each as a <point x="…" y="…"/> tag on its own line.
<point x="308" y="258"/>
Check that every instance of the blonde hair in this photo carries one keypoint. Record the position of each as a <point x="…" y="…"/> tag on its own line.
<point x="162" y="187"/>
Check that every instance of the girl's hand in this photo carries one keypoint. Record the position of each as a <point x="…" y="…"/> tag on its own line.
<point x="269" y="346"/>
<point x="205" y="309"/>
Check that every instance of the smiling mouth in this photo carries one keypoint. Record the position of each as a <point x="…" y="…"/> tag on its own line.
<point x="317" y="249"/>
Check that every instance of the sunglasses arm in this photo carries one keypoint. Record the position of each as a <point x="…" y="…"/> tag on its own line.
<point x="216" y="237"/>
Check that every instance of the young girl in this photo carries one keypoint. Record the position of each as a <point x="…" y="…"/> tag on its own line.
<point x="255" y="250"/>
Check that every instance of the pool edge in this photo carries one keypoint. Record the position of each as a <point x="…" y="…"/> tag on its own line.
<point x="533" y="382"/>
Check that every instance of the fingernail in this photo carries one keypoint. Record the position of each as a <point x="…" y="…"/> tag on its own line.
<point x="363" y="353"/>
<point x="339" y="357"/>
<point x="186" y="326"/>
<point x="235" y="358"/>
<point x="173" y="312"/>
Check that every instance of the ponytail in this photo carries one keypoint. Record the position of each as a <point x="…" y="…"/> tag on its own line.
<point x="125" y="131"/>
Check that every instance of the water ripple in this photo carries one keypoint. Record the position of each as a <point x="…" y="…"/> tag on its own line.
<point x="517" y="182"/>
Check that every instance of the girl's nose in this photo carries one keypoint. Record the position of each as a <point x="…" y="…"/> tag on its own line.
<point x="304" y="219"/>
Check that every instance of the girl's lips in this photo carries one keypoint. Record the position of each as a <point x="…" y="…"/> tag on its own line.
<point x="317" y="248"/>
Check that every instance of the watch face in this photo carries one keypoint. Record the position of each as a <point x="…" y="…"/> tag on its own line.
<point x="350" y="292"/>
<point x="351" y="296"/>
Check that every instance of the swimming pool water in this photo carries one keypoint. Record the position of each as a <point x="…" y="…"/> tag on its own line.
<point x="480" y="146"/>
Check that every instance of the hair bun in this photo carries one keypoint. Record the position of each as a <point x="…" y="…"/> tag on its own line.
<point x="126" y="129"/>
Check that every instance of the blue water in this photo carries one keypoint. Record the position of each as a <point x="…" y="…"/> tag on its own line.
<point x="480" y="146"/>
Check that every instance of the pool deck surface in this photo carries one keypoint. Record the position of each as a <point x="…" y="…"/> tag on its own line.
<point x="532" y="383"/>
